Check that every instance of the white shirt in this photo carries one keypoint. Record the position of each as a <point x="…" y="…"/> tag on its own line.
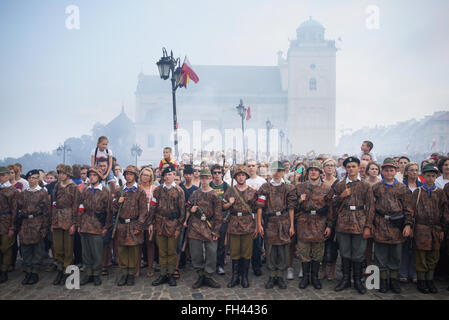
<point x="256" y="183"/>
<point x="349" y="180"/>
<point x="98" y="187"/>
<point x="400" y="177"/>
<point x="276" y="184"/>
<point x="440" y="182"/>
<point x="341" y="172"/>
<point x="25" y="183"/>
<point x="38" y="188"/>
<point x="5" y="185"/>
<point x="101" y="154"/>
<point x="170" y="186"/>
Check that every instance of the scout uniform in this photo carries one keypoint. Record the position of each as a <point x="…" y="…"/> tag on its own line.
<point x="429" y="207"/>
<point x="241" y="227"/>
<point x="95" y="212"/>
<point x="393" y="212"/>
<point x="352" y="215"/>
<point x="167" y="214"/>
<point x="132" y="217"/>
<point x="204" y="224"/>
<point x="33" y="207"/>
<point x="64" y="214"/>
<point x="8" y="211"/>
<point x="277" y="200"/>
<point x="312" y="220"/>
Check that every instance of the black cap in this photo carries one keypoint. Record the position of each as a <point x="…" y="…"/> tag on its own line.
<point x="167" y="170"/>
<point x="31" y="172"/>
<point x="351" y="159"/>
<point x="188" y="169"/>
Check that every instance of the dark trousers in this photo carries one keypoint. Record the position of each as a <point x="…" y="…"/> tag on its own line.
<point x="221" y="248"/>
<point x="256" y="258"/>
<point x="77" y="249"/>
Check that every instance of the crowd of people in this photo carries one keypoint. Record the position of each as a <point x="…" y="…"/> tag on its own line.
<point x="394" y="214"/>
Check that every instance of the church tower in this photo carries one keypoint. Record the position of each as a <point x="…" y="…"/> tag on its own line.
<point x="311" y="90"/>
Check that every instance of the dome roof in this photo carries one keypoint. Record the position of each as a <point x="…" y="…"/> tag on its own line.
<point x="310" y="23"/>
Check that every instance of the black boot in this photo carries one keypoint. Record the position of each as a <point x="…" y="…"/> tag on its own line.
<point x="235" y="280"/>
<point x="199" y="282"/>
<point x="383" y="286"/>
<point x="270" y="283"/>
<point x="87" y="279"/>
<point x="345" y="282"/>
<point x="34" y="278"/>
<point x="130" y="280"/>
<point x="244" y="267"/>
<point x="97" y="280"/>
<point x="281" y="283"/>
<point x="394" y="285"/>
<point x="422" y="286"/>
<point x="211" y="282"/>
<point x="64" y="279"/>
<point x="171" y="280"/>
<point x="161" y="280"/>
<point x="358" y="285"/>
<point x="27" y="278"/>
<point x="123" y="280"/>
<point x="305" y="275"/>
<point x="431" y="286"/>
<point x="315" y="280"/>
<point x="58" y="278"/>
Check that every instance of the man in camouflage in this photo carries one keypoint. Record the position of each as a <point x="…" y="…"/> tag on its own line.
<point x="278" y="199"/>
<point x="312" y="220"/>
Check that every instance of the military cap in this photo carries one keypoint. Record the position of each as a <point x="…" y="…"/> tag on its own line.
<point x="170" y="168"/>
<point x="205" y="172"/>
<point x="4" y="170"/>
<point x="277" y="166"/>
<point x="240" y="169"/>
<point x="351" y="159"/>
<point x="131" y="169"/>
<point x="389" y="162"/>
<point x="317" y="165"/>
<point x="96" y="171"/>
<point x="188" y="169"/>
<point x="30" y="173"/>
<point x="64" y="168"/>
<point x="430" y="167"/>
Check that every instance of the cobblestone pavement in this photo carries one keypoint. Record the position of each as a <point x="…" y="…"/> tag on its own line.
<point x="143" y="289"/>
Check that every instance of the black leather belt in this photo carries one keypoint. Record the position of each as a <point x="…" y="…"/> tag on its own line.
<point x="241" y="214"/>
<point x="4" y="213"/>
<point x="121" y="220"/>
<point x="391" y="216"/>
<point x="276" y="214"/>
<point x="31" y="216"/>
<point x="354" y="208"/>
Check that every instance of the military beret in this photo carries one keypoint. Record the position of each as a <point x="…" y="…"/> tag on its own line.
<point x="351" y="159"/>
<point x="430" y="167"/>
<point x="205" y="173"/>
<point x="30" y="173"/>
<point x="170" y="168"/>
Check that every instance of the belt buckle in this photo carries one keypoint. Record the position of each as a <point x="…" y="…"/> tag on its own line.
<point x="239" y="214"/>
<point x="352" y="208"/>
<point x="312" y="211"/>
<point x="278" y="213"/>
<point x="252" y="215"/>
<point x="30" y="216"/>
<point x="127" y="220"/>
<point x="387" y="217"/>
<point x="203" y="218"/>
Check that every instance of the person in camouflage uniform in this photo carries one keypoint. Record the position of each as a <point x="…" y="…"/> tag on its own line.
<point x="240" y="200"/>
<point x="312" y="220"/>
<point x="131" y="223"/>
<point x="430" y="211"/>
<point x="64" y="220"/>
<point x="353" y="221"/>
<point x="279" y="200"/>
<point x="8" y="211"/>
<point x="393" y="212"/>
<point x="167" y="214"/>
<point x="203" y="229"/>
<point x="33" y="207"/>
<point x="95" y="219"/>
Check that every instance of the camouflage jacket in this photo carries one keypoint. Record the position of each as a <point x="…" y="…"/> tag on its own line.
<point x="211" y="206"/>
<point x="8" y="209"/>
<point x="313" y="213"/>
<point x="64" y="212"/>
<point x="393" y="201"/>
<point x="243" y="224"/>
<point x="431" y="216"/>
<point x="30" y="203"/>
<point x="167" y="210"/>
<point x="350" y="221"/>
<point x="95" y="210"/>
<point x="133" y="215"/>
<point x="274" y="199"/>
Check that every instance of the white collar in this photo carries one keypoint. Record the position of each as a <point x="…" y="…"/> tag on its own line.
<point x="5" y="185"/>
<point x="99" y="187"/>
<point x="276" y="184"/>
<point x="170" y="186"/>
<point x="357" y="179"/>
<point x="134" y="185"/>
<point x="38" y="188"/>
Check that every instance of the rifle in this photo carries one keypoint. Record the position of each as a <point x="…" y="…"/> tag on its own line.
<point x="118" y="213"/>
<point x="203" y="214"/>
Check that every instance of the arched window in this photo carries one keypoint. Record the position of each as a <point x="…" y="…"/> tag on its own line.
<point x="312" y="84"/>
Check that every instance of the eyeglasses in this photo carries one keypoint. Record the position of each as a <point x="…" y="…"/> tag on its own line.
<point x="196" y="170"/>
<point x="412" y="170"/>
<point x="329" y="165"/>
<point x="216" y="172"/>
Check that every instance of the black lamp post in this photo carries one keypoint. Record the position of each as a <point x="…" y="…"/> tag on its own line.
<point x="268" y="124"/>
<point x="136" y="151"/>
<point x="282" y="135"/>
<point x="64" y="149"/>
<point x="242" y="112"/>
<point x="168" y="65"/>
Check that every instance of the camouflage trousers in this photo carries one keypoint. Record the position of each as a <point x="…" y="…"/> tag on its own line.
<point x="310" y="251"/>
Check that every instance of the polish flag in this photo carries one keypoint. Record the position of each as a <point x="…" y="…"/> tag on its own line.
<point x="434" y="143"/>
<point x="188" y="72"/>
<point x="248" y="113"/>
<point x="81" y="208"/>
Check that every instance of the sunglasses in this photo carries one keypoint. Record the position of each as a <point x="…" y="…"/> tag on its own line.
<point x="196" y="170"/>
<point x="217" y="172"/>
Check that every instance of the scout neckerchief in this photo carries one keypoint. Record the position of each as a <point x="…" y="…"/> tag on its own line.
<point x="429" y="190"/>
<point x="390" y="185"/>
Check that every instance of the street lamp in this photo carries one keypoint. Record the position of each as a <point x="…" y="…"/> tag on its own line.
<point x="136" y="151"/>
<point x="268" y="124"/>
<point x="282" y="135"/>
<point x="168" y="65"/>
<point x="63" y="150"/>
<point x="242" y="112"/>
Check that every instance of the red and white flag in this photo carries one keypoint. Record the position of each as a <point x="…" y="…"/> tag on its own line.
<point x="434" y="143"/>
<point x="248" y="113"/>
<point x="188" y="73"/>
